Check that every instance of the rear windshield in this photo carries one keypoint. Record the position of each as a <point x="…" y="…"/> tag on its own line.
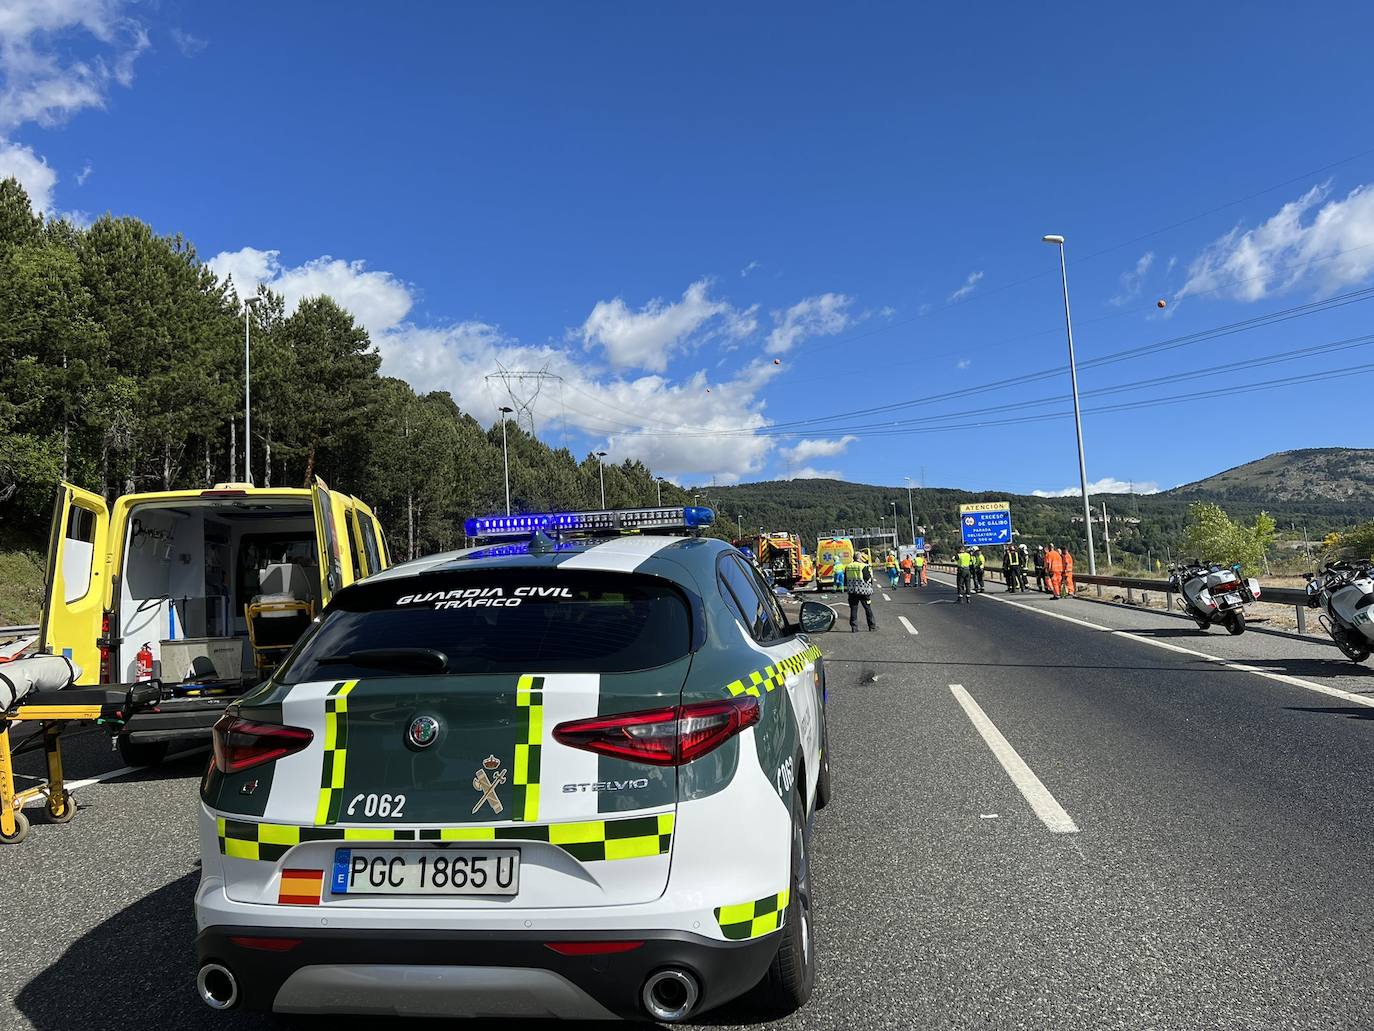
<point x="502" y="621"/>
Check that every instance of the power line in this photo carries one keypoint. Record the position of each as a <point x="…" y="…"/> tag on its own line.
<point x="644" y="421"/>
<point x="821" y="423"/>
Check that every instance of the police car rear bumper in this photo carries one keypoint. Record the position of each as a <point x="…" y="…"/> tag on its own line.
<point x="476" y="974"/>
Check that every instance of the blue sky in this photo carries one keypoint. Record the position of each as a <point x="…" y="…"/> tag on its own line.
<point x="721" y="228"/>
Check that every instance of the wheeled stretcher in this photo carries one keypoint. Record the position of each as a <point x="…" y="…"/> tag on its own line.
<point x="32" y="691"/>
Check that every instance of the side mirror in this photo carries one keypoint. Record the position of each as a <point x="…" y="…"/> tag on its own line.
<point x="816" y="618"/>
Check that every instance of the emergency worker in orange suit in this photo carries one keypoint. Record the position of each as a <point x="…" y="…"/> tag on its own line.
<point x="1054" y="569"/>
<point x="1068" y="572"/>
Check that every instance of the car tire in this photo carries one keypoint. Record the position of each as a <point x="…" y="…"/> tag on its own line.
<point x="1352" y="648"/>
<point x="789" y="981"/>
<point x="141" y="753"/>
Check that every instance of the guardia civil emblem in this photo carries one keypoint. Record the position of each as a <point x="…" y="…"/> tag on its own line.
<point x="487" y="781"/>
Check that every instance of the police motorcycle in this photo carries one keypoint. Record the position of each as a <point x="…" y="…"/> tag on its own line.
<point x="1344" y="591"/>
<point x="1214" y="594"/>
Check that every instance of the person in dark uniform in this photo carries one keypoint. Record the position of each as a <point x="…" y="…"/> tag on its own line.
<point x="858" y="580"/>
<point x="1040" y="568"/>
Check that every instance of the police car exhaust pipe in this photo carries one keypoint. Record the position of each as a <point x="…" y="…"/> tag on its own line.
<point x="671" y="995"/>
<point x="217" y="986"/>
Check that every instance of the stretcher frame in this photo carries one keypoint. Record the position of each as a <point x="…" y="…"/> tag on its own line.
<point x="55" y="713"/>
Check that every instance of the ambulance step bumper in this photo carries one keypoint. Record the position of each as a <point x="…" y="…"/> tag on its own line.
<point x="477" y="974"/>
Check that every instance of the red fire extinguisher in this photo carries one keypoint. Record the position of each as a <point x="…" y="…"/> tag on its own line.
<point x="145" y="662"/>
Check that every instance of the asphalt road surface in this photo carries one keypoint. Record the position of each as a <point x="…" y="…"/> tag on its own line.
<point x="1093" y="829"/>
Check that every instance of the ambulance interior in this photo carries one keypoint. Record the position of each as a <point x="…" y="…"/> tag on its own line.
<point x="190" y="570"/>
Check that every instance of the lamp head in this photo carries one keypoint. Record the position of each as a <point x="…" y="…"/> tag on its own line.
<point x="1053" y="239"/>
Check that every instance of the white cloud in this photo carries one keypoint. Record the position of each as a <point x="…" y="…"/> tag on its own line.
<point x="34" y="174"/>
<point x="58" y="57"/>
<point x="648" y="338"/>
<point x="188" y="44"/>
<point x="970" y="284"/>
<point x="84" y="174"/>
<point x="963" y="363"/>
<point x="378" y="300"/>
<point x="1134" y="279"/>
<point x="48" y="69"/>
<point x="690" y="429"/>
<point x="1325" y="244"/>
<point x="744" y="272"/>
<point x="805" y="450"/>
<point x="645" y="417"/>
<point x="1106" y="485"/>
<point x="822" y="315"/>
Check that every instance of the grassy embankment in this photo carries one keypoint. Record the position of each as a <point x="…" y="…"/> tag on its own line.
<point x="22" y="565"/>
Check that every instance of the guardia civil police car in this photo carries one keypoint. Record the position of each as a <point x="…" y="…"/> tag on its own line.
<point x="569" y="772"/>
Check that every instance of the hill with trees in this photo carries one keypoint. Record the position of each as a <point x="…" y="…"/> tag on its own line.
<point x="1143" y="526"/>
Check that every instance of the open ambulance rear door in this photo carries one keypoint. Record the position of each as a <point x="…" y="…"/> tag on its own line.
<point x="77" y="580"/>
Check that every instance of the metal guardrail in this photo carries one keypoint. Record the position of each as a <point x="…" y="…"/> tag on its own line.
<point x="18" y="631"/>
<point x="1273" y="595"/>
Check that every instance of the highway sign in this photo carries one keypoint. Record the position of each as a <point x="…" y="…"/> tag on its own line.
<point x="985" y="523"/>
<point x="920" y="544"/>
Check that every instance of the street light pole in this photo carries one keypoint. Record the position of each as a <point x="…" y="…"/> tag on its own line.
<point x="896" y="542"/>
<point x="658" y="483"/>
<point x="247" y="395"/>
<point x="1077" y="417"/>
<point x="910" y="510"/>
<point x="601" y="472"/>
<point x="505" y="454"/>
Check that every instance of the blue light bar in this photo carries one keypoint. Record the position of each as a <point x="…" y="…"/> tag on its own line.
<point x="606" y="521"/>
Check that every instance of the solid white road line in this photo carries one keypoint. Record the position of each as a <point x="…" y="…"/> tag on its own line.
<point x="123" y="771"/>
<point x="1051" y="813"/>
<point x="907" y="623"/>
<point x="1282" y="678"/>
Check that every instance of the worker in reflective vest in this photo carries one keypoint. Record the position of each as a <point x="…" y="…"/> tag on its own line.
<point x="979" y="563"/>
<point x="965" y="578"/>
<point x="1068" y="572"/>
<point x="1040" y="579"/>
<point x="1011" y="568"/>
<point x="921" y="566"/>
<point x="1054" y="569"/>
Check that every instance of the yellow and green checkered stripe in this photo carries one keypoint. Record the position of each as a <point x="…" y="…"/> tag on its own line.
<point x="594" y="841"/>
<point x="752" y="919"/>
<point x="772" y="677"/>
<point x="335" y="753"/>
<point x="529" y="703"/>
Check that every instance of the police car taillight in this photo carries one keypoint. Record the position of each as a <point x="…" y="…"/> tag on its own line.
<point x="241" y="744"/>
<point x="662" y="737"/>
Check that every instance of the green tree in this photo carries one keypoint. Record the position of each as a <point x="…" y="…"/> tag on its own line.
<point x="1355" y="543"/>
<point x="1213" y="536"/>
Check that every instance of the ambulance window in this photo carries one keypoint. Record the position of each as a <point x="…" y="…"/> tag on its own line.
<point x="355" y="551"/>
<point x="330" y="560"/>
<point x="370" y="548"/>
<point x="78" y="553"/>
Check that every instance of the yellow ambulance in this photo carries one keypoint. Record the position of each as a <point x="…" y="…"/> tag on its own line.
<point x="204" y="590"/>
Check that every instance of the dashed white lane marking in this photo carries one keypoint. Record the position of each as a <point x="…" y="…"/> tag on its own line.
<point x="1051" y="813"/>
<point x="887" y="597"/>
<point x="907" y="623"/>
<point x="1282" y="678"/>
